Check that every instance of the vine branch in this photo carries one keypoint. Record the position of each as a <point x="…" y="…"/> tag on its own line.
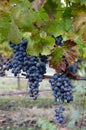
<point x="70" y="74"/>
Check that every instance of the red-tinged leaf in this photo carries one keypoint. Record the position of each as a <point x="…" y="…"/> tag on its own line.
<point x="69" y="43"/>
<point x="70" y="52"/>
<point x="84" y="39"/>
<point x="83" y="32"/>
<point x="79" y="21"/>
<point x="71" y="35"/>
<point x="71" y="55"/>
<point x="5" y="5"/>
<point x="58" y="68"/>
<point x="61" y="67"/>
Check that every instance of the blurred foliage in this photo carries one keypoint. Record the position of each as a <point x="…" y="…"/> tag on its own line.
<point x="37" y="21"/>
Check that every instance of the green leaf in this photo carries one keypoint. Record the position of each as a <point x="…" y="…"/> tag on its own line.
<point x="85" y="103"/>
<point x="51" y="6"/>
<point x="57" y="54"/>
<point x="84" y="54"/>
<point x="55" y="27"/>
<point x="34" y="46"/>
<point x="14" y="34"/>
<point x="47" y="45"/>
<point x="4" y="25"/>
<point x="41" y="16"/>
<point x="43" y="34"/>
<point x="67" y="12"/>
<point x="5" y="49"/>
<point x="83" y="2"/>
<point x="38" y="45"/>
<point x="77" y="1"/>
<point x="23" y="16"/>
<point x="68" y="25"/>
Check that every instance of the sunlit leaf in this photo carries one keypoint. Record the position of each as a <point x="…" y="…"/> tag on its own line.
<point x="43" y="34"/>
<point x="22" y="16"/>
<point x="4" y="25"/>
<point x="5" y="49"/>
<point x="41" y="16"/>
<point x="14" y="33"/>
<point x="47" y="45"/>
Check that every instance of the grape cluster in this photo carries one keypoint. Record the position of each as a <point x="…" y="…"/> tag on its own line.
<point x="59" y="115"/>
<point x="43" y="58"/>
<point x="34" y="73"/>
<point x="4" y="63"/>
<point x="9" y="63"/>
<point x="19" y="54"/>
<point x="62" y="88"/>
<point x="33" y="66"/>
<point x="58" y="40"/>
<point x="74" y="67"/>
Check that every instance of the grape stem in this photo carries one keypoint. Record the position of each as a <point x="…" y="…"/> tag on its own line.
<point x="74" y="76"/>
<point x="71" y="76"/>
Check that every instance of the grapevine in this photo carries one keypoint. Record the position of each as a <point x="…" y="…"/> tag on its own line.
<point x="54" y="33"/>
<point x="35" y="68"/>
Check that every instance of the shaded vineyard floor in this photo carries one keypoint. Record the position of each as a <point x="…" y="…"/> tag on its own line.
<point x="20" y="112"/>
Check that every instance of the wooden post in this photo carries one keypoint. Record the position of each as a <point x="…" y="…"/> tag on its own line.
<point x="18" y="82"/>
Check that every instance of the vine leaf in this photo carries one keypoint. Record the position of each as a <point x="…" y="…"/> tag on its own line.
<point x="4" y="5"/>
<point x="41" y="16"/>
<point x="56" y="61"/>
<point x="4" y="48"/>
<point x="79" y="24"/>
<point x="4" y="25"/>
<point x="79" y="21"/>
<point x="14" y="33"/>
<point x="23" y="15"/>
<point x="69" y="50"/>
<point x="71" y="55"/>
<point x="83" y="32"/>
